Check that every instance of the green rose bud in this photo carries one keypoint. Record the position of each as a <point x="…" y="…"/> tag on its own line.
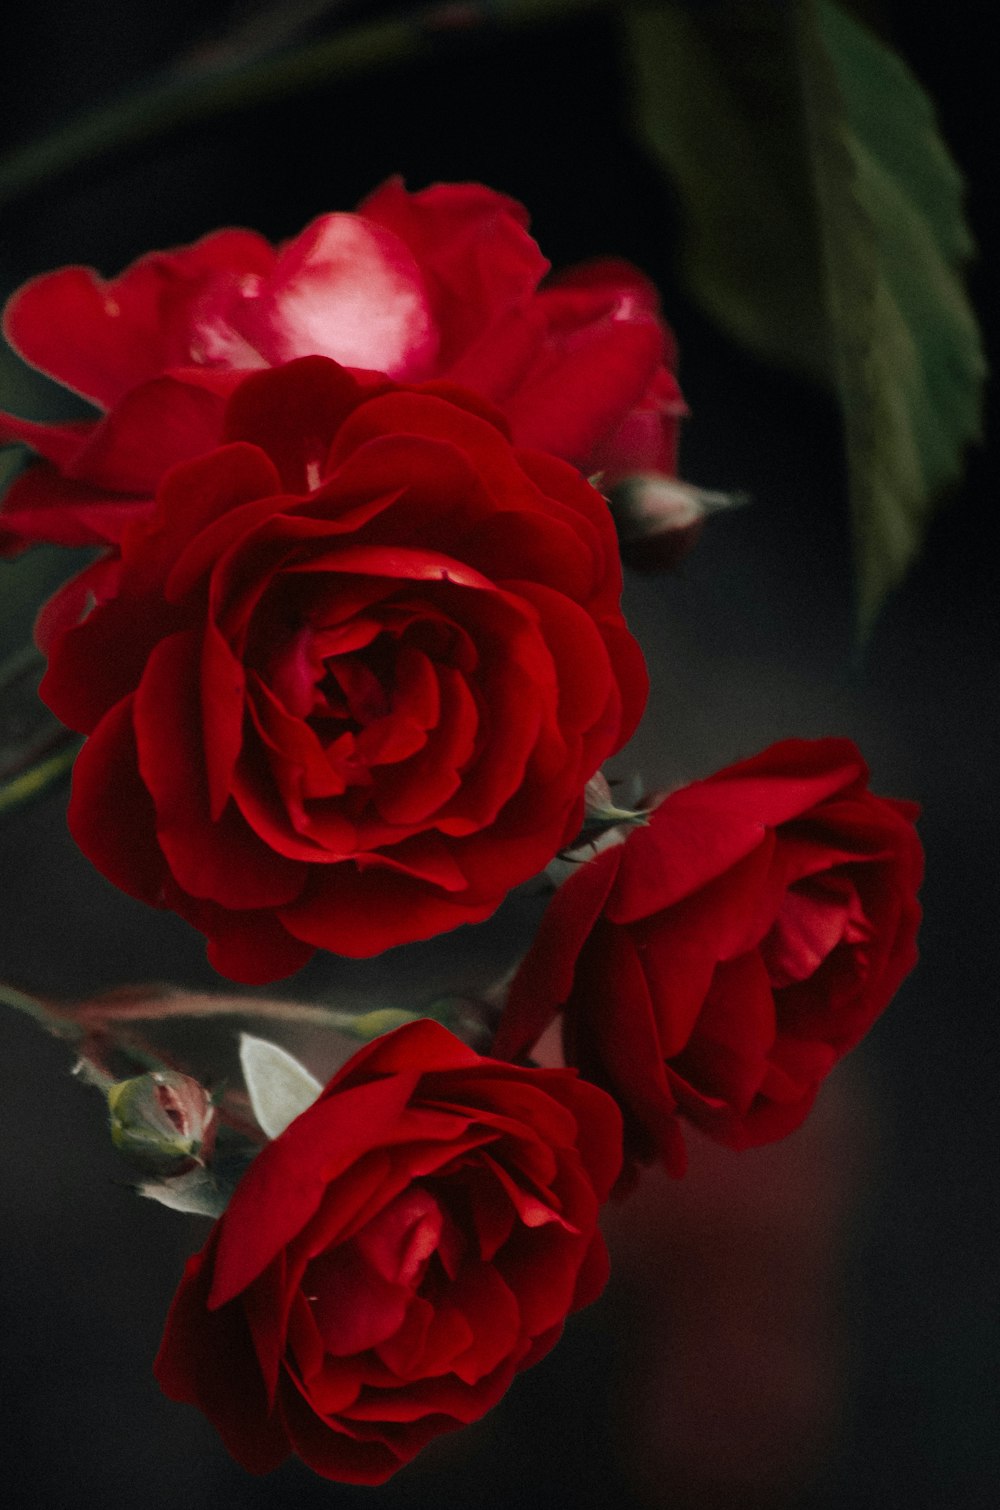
<point x="162" y="1122"/>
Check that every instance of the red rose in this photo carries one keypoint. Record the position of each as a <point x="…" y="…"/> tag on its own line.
<point x="353" y="674"/>
<point x="443" y="283"/>
<point x="720" y="962"/>
<point x="389" y="1262"/>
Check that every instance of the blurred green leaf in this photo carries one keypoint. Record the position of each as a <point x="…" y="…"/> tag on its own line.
<point x="28" y="580"/>
<point x="35" y="749"/>
<point x="197" y="1193"/>
<point x="915" y="402"/>
<point x="232" y="77"/>
<point x="25" y="583"/>
<point x="718" y="100"/>
<point x="823" y="228"/>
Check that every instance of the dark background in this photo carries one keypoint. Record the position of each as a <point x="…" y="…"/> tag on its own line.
<point x="810" y="1326"/>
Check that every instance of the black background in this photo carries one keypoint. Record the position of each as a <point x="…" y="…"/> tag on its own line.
<point x="750" y="643"/>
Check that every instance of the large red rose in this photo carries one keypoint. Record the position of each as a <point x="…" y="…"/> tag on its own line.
<point x="719" y="963"/>
<point x="443" y="283"/>
<point x="391" y="1260"/>
<point x="352" y="674"/>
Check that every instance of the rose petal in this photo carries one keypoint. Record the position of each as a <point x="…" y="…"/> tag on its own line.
<point x="345" y="288"/>
<point x="42" y="506"/>
<point x="103" y="338"/>
<point x="207" y="1359"/>
<point x="222" y="860"/>
<point x="109" y="798"/>
<point x="288" y="1178"/>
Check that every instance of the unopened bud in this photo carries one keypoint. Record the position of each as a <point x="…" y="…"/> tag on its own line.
<point x="163" y="1122"/>
<point x="659" y="519"/>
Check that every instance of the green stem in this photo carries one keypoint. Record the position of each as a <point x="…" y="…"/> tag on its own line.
<point x="60" y="1027"/>
<point x="33" y="782"/>
<point x="35" y="749"/>
<point x="28" y="658"/>
<point x="163" y="1006"/>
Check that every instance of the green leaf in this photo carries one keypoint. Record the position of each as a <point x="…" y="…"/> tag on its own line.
<point x="717" y="99"/>
<point x="236" y="79"/>
<point x="915" y="402"/>
<point x="196" y="1193"/>
<point x="25" y="583"/>
<point x="279" y="1087"/>
<point x="823" y="227"/>
<point x="35" y="749"/>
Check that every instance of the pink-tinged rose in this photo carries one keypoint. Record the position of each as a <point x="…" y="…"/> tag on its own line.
<point x="442" y="283"/>
<point x="718" y="964"/>
<point x="351" y="675"/>
<point x="388" y="1263"/>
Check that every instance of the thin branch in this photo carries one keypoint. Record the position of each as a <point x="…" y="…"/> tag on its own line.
<point x="180" y="99"/>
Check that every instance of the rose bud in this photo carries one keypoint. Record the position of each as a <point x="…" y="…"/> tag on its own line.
<point x="660" y="519"/>
<point x="163" y="1122"/>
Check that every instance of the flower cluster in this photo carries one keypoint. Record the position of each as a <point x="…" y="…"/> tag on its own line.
<point x="439" y="284"/>
<point x="348" y="658"/>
